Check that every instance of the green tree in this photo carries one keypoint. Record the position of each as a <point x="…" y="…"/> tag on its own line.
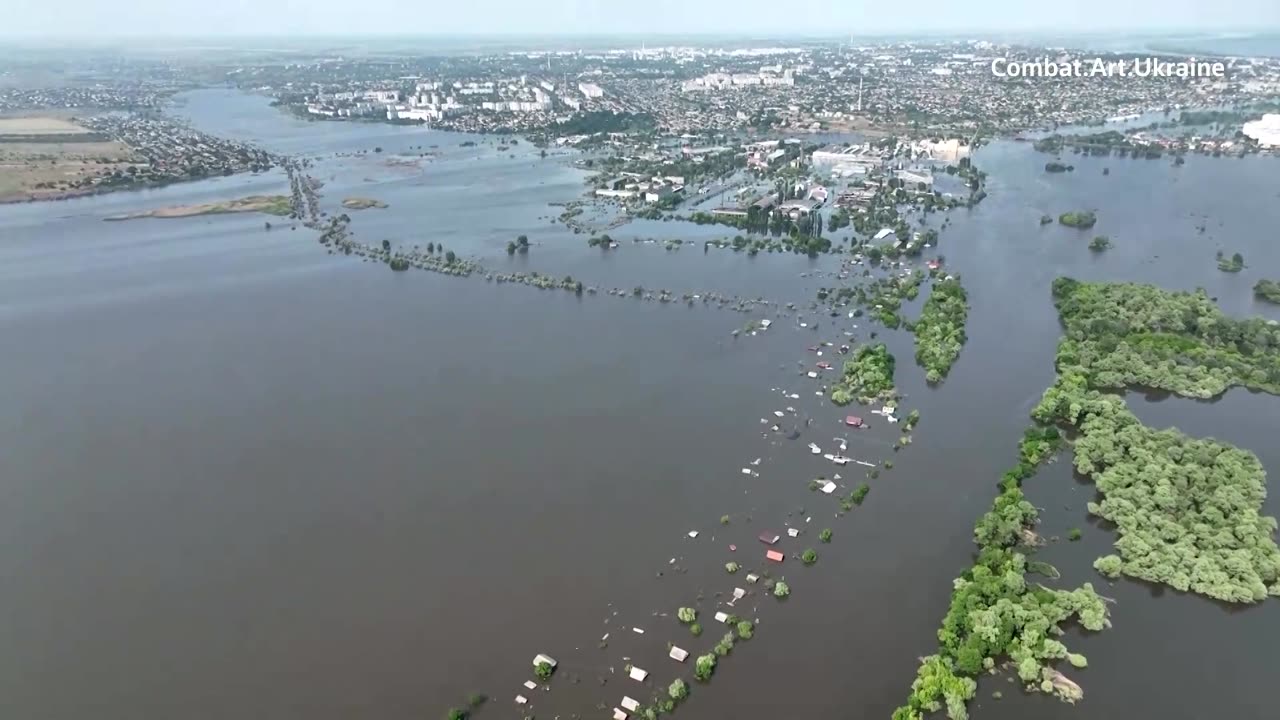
<point x="1109" y="565"/>
<point x="704" y="666"/>
<point x="781" y="589"/>
<point x="686" y="615"/>
<point x="809" y="557"/>
<point x="543" y="670"/>
<point x="825" y="535"/>
<point x="745" y="629"/>
<point x="678" y="690"/>
<point x="449" y="257"/>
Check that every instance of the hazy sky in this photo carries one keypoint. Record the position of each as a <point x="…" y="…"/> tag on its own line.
<point x="100" y="18"/>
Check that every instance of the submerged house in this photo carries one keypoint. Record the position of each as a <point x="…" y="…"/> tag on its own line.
<point x="769" y="538"/>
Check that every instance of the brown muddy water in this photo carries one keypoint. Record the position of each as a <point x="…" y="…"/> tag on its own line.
<point x="240" y="477"/>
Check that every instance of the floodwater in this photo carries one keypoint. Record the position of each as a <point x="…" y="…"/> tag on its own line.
<point x="241" y="477"/>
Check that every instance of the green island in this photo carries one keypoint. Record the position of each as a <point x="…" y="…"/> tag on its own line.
<point x="1132" y="335"/>
<point x="1233" y="264"/>
<point x="1187" y="511"/>
<point x="1082" y="219"/>
<point x="1100" y="243"/>
<point x="361" y="203"/>
<point x="270" y="204"/>
<point x="940" y="330"/>
<point x="995" y="615"/>
<point x="1057" y="167"/>
<point x="1267" y="290"/>
<point x="866" y="376"/>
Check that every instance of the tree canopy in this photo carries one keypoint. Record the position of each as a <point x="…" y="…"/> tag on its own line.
<point x="940" y="330"/>
<point x="867" y="375"/>
<point x="1188" y="511"/>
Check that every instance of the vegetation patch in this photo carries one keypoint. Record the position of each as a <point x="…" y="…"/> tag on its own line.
<point x="1267" y="290"/>
<point x="1232" y="264"/>
<point x="867" y="375"/>
<point x="1082" y="219"/>
<point x="994" y="613"/>
<point x="940" y="330"/>
<point x="1125" y="334"/>
<point x="1188" y="511"/>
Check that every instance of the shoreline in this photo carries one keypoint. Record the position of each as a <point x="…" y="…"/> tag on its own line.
<point x="277" y="205"/>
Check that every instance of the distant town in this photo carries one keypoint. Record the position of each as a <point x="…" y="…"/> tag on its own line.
<point x="656" y="105"/>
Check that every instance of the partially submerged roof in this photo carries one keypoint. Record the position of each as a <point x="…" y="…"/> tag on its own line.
<point x="768" y="538"/>
<point x="637" y="674"/>
<point x="722" y="617"/>
<point x="618" y="714"/>
<point x="630" y="704"/>
<point x="678" y="654"/>
<point x="540" y="658"/>
<point x="531" y="684"/>
<point x="774" y="555"/>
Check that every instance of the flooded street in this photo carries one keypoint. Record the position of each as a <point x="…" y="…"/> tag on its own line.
<point x="244" y="478"/>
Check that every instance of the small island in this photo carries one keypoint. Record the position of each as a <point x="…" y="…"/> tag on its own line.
<point x="1232" y="264"/>
<point x="269" y="204"/>
<point x="1267" y="291"/>
<point x="1100" y="243"/>
<point x="359" y="203"/>
<point x="1081" y="219"/>
<point x="1057" y="167"/>
<point x="940" y="330"/>
<point x="867" y="376"/>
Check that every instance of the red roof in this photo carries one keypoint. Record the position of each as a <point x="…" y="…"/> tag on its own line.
<point x="853" y="420"/>
<point x="774" y="555"/>
<point x="824" y="365"/>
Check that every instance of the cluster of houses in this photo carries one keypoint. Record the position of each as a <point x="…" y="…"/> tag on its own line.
<point x="629" y="186"/>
